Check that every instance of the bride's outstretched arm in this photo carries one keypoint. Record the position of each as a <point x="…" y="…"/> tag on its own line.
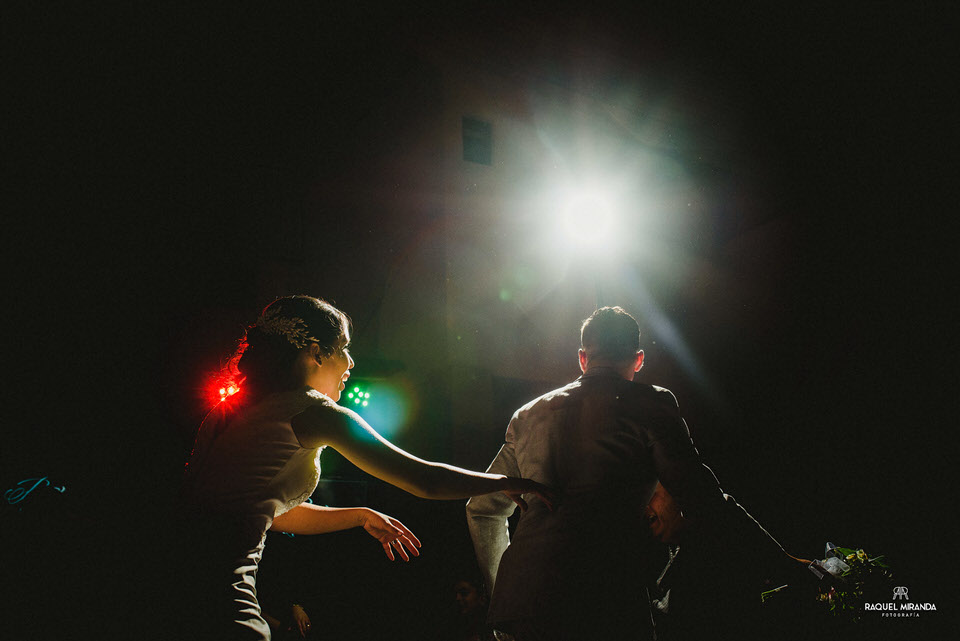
<point x="346" y="431"/>
<point x="307" y="518"/>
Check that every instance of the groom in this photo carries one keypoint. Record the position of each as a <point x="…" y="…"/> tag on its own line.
<point x="602" y="442"/>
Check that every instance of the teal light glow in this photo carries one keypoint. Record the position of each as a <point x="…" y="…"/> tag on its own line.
<point x="386" y="405"/>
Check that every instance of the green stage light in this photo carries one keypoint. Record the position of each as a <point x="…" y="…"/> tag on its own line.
<point x="359" y="395"/>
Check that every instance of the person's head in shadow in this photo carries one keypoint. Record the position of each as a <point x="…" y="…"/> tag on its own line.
<point x="664" y="518"/>
<point x="471" y="597"/>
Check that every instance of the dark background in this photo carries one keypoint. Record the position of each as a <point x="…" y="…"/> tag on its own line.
<point x="155" y="158"/>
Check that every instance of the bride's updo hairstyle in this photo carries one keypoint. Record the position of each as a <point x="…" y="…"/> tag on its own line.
<point x="265" y="356"/>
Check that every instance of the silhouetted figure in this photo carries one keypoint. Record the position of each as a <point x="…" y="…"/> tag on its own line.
<point x="288" y="589"/>
<point x="602" y="442"/>
<point x="711" y="585"/>
<point x="470" y="621"/>
<point x="293" y="622"/>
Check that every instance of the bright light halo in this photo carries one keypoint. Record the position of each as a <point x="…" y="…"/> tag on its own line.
<point x="587" y="219"/>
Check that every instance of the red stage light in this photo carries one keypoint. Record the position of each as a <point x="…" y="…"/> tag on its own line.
<point x="228" y="391"/>
<point x="219" y="387"/>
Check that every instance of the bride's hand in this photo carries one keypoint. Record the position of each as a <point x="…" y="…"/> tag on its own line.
<point x="517" y="487"/>
<point x="391" y="533"/>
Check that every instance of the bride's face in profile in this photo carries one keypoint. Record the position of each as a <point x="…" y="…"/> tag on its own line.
<point x="331" y="372"/>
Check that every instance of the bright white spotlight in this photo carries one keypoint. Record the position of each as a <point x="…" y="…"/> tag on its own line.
<point x="588" y="220"/>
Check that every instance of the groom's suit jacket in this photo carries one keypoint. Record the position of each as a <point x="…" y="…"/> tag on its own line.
<point x="602" y="442"/>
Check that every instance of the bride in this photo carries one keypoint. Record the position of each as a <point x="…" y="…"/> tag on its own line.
<point x="257" y="459"/>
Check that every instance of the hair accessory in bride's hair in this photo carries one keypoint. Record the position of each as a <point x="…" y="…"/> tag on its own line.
<point x="294" y="328"/>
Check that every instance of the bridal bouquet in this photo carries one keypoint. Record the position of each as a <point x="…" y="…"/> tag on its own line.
<point x="848" y="578"/>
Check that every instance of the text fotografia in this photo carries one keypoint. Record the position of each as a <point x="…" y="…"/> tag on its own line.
<point x="900" y="609"/>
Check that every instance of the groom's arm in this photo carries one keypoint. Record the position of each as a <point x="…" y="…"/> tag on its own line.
<point x="487" y="518"/>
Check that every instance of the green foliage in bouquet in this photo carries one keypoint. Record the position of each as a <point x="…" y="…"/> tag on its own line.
<point x="849" y="578"/>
